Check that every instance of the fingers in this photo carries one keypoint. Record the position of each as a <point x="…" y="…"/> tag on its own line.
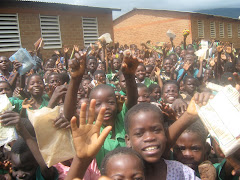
<point x="82" y="115"/>
<point x="103" y="135"/>
<point x="91" y="111"/>
<point x="100" y="117"/>
<point x="74" y="126"/>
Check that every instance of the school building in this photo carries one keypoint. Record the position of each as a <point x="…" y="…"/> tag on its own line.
<point x="141" y="25"/>
<point x="60" y="25"/>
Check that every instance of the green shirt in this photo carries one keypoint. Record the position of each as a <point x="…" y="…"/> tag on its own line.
<point x="221" y="171"/>
<point x="148" y="82"/>
<point x="18" y="103"/>
<point x="119" y="141"/>
<point x="40" y="177"/>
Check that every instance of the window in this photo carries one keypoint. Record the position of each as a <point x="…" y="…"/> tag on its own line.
<point x="239" y="30"/>
<point x="90" y="30"/>
<point x="221" y="30"/>
<point x="229" y="30"/>
<point x="50" y="30"/>
<point x="212" y="30"/>
<point x="200" y="28"/>
<point x="9" y="33"/>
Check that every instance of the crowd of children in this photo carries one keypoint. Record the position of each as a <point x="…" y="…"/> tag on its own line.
<point x="131" y="111"/>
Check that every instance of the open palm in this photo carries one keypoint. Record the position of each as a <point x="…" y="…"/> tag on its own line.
<point x="86" y="137"/>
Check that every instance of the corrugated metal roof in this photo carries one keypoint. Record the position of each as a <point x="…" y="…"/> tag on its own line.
<point x="70" y="4"/>
<point x="134" y="9"/>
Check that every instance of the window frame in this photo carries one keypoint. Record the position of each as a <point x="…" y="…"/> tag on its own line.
<point x="48" y="39"/>
<point x="90" y="30"/>
<point x="200" y="26"/>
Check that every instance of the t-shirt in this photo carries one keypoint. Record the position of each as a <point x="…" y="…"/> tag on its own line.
<point x="40" y="177"/>
<point x="221" y="171"/>
<point x="18" y="103"/>
<point x="179" y="171"/>
<point x="147" y="82"/>
<point x="119" y="141"/>
<point x="180" y="72"/>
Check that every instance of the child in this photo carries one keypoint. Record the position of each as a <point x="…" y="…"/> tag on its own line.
<point x="145" y="134"/>
<point x="143" y="93"/>
<point x="168" y="73"/>
<point x="149" y="69"/>
<point x="190" y="85"/>
<point x="141" y="76"/>
<point x="121" y="163"/>
<point x="155" y="92"/>
<point x="91" y="65"/>
<point x="191" y="147"/>
<point x="5" y="88"/>
<point x="105" y="97"/>
<point x="170" y="92"/>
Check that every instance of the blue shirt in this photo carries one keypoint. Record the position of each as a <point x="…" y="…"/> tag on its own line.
<point x="180" y="72"/>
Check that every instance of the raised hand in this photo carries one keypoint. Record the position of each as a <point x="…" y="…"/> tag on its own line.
<point x="27" y="103"/>
<point x="86" y="137"/>
<point x="130" y="63"/>
<point x="200" y="99"/>
<point x="65" y="50"/>
<point x="186" y="66"/>
<point x="229" y="49"/>
<point x="76" y="48"/>
<point x="10" y="118"/>
<point x="77" y="65"/>
<point x="61" y="122"/>
<point x="219" y="48"/>
<point x="157" y="71"/>
<point x="120" y="100"/>
<point x="16" y="65"/>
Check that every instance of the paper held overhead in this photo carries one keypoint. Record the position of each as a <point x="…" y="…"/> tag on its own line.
<point x="171" y="34"/>
<point x="221" y="116"/>
<point x="106" y="37"/>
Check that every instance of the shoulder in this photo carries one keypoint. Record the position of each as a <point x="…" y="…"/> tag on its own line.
<point x="177" y="170"/>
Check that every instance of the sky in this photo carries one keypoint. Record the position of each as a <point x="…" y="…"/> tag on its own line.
<point x="179" y="5"/>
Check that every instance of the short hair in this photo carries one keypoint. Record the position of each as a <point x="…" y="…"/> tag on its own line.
<point x="52" y="74"/>
<point x="141" y="64"/>
<point x="149" y="65"/>
<point x="100" y="87"/>
<point x="91" y="57"/>
<point x="20" y="147"/>
<point x="142" y="107"/>
<point x="64" y="77"/>
<point x="199" y="129"/>
<point x="188" y="77"/>
<point x="174" y="82"/>
<point x="28" y="80"/>
<point x="98" y="72"/>
<point x="167" y="58"/>
<point x="116" y="152"/>
<point x="6" y="82"/>
<point x="224" y="79"/>
<point x="152" y="87"/>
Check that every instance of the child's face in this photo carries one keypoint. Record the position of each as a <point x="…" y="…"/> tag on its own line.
<point x="181" y="86"/>
<point x="125" y="166"/>
<point x="92" y="65"/>
<point x="23" y="170"/>
<point x="54" y="80"/>
<point x="208" y="74"/>
<point x="147" y="136"/>
<point x="190" y="150"/>
<point x="4" y="63"/>
<point x="46" y="75"/>
<point x="140" y="73"/>
<point x="156" y="94"/>
<point x="85" y="84"/>
<point x="116" y="64"/>
<point x="190" y="86"/>
<point x="148" y="71"/>
<point x="143" y="95"/>
<point x="106" y="98"/>
<point x="168" y="64"/>
<point x="49" y="64"/>
<point x="122" y="82"/>
<point x="36" y="86"/>
<point x="101" y="78"/>
<point x="174" y="59"/>
<point x="170" y="93"/>
<point x="101" y="67"/>
<point x="5" y="89"/>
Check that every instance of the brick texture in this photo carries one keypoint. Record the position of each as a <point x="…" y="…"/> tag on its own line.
<point x="70" y="20"/>
<point x="139" y="26"/>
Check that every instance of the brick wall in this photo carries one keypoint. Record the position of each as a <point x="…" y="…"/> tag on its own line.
<point x="207" y="19"/>
<point x="140" y="26"/>
<point x="70" y="20"/>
